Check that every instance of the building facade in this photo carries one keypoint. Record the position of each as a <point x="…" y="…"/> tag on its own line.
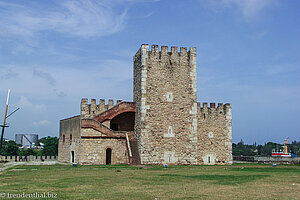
<point x="26" y="140"/>
<point x="163" y="125"/>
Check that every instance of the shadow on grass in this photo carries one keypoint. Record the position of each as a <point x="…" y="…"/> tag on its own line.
<point x="268" y="169"/>
<point x="161" y="167"/>
<point x="67" y="167"/>
<point x="221" y="179"/>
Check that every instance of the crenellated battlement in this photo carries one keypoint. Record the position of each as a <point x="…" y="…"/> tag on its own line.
<point x="93" y="109"/>
<point x="164" y="124"/>
<point x="211" y="112"/>
<point x="164" y="55"/>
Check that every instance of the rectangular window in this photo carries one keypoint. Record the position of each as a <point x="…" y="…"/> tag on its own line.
<point x="170" y="132"/>
<point x="169" y="157"/>
<point x="169" y="97"/>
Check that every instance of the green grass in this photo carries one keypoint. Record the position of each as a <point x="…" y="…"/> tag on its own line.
<point x="175" y="182"/>
<point x="289" y="169"/>
<point x="221" y="179"/>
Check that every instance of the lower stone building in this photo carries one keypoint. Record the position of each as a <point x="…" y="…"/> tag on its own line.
<point x="163" y="125"/>
<point x="101" y="139"/>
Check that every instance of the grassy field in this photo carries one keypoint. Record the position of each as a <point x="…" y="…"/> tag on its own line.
<point x="176" y="182"/>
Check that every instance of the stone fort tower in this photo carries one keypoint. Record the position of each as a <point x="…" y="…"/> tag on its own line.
<point x="165" y="92"/>
<point x="163" y="125"/>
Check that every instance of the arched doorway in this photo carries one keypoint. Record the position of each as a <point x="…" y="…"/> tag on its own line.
<point x="72" y="156"/>
<point x="108" y="156"/>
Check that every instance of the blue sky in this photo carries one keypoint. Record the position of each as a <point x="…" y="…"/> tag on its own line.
<point x="53" y="53"/>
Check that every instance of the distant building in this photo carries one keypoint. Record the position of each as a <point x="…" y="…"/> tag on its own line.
<point x="6" y="140"/>
<point x="26" y="140"/>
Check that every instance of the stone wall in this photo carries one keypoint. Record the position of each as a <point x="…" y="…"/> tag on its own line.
<point x="27" y="158"/>
<point x="93" y="149"/>
<point x="138" y="85"/>
<point x="287" y="160"/>
<point x="166" y="110"/>
<point x="214" y="134"/>
<point x="66" y="144"/>
<point x="91" y="110"/>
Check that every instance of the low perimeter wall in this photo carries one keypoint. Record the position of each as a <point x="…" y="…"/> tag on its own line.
<point x="294" y="160"/>
<point x="27" y="158"/>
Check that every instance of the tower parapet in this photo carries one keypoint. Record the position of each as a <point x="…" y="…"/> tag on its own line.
<point x="164" y="55"/>
<point x="93" y="109"/>
<point x="211" y="112"/>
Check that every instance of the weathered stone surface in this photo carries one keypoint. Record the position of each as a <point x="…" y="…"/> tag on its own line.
<point x="165" y="101"/>
<point x="93" y="150"/>
<point x="214" y="134"/>
<point x="66" y="144"/>
<point x="169" y="125"/>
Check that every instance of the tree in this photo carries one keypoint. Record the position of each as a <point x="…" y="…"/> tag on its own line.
<point x="50" y="146"/>
<point x="28" y="152"/>
<point x="241" y="149"/>
<point x="298" y="153"/>
<point x="263" y="150"/>
<point x="9" y="148"/>
<point x="259" y="149"/>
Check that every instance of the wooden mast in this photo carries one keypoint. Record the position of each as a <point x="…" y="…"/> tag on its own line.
<point x="4" y="121"/>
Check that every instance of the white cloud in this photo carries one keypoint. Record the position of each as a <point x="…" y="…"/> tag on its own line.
<point x="10" y="73"/>
<point x="149" y="14"/>
<point x="249" y="8"/>
<point x="25" y="103"/>
<point x="44" y="75"/>
<point x="60" y="93"/>
<point x="77" y="18"/>
<point x="62" y="82"/>
<point x="41" y="123"/>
